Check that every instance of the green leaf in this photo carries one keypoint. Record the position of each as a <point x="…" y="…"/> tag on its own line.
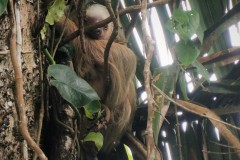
<point x="194" y="21"/>
<point x="91" y="108"/>
<point x="183" y="85"/>
<point x="55" y="12"/>
<point x="129" y="152"/>
<point x="69" y="95"/>
<point x="184" y="23"/>
<point x="3" y="5"/>
<point x="95" y="137"/>
<point x="164" y="79"/>
<point x="202" y="70"/>
<point x="71" y="87"/>
<point x="67" y="49"/>
<point x="186" y="52"/>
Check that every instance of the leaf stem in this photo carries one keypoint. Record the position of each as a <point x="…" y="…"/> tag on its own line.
<point x="49" y="57"/>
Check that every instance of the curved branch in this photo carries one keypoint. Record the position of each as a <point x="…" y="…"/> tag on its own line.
<point x="114" y="17"/>
<point x="16" y="62"/>
<point x="205" y="112"/>
<point x="134" y="8"/>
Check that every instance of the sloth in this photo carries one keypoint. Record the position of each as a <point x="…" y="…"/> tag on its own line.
<point x="121" y="97"/>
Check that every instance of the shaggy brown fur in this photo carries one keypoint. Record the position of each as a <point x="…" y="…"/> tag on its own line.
<point x="122" y="65"/>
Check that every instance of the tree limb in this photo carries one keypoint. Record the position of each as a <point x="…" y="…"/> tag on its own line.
<point x="16" y="62"/>
<point x="114" y="34"/>
<point x="134" y="8"/>
<point x="152" y="150"/>
<point x="216" y="120"/>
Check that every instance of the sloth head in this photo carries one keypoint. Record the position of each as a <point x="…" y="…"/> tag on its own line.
<point x="96" y="13"/>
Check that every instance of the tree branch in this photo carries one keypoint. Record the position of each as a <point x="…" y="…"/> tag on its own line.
<point x="133" y="23"/>
<point x="205" y="112"/>
<point x="152" y="151"/>
<point x="15" y="52"/>
<point x="114" y="34"/>
<point x="134" y="8"/>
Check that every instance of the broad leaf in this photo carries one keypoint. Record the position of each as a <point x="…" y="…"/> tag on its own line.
<point x="184" y="23"/>
<point x="202" y="70"/>
<point x="95" y="137"/>
<point x="71" y="87"/>
<point x="3" y="5"/>
<point x="69" y="94"/>
<point x="186" y="52"/>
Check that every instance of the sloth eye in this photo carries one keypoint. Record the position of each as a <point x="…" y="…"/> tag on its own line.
<point x="105" y="27"/>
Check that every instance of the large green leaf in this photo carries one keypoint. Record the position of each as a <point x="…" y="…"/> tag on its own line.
<point x="71" y="87"/>
<point x="69" y="94"/>
<point x="95" y="137"/>
<point x="186" y="52"/>
<point x="3" y="5"/>
<point x="201" y="70"/>
<point x="184" y="23"/>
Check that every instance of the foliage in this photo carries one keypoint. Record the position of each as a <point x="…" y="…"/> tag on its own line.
<point x="55" y="12"/>
<point x="186" y="52"/>
<point x="183" y="85"/>
<point x="95" y="137"/>
<point x="128" y="151"/>
<point x="3" y="5"/>
<point x="68" y="50"/>
<point x="184" y="23"/>
<point x="164" y="79"/>
<point x="74" y="89"/>
<point x="202" y="70"/>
